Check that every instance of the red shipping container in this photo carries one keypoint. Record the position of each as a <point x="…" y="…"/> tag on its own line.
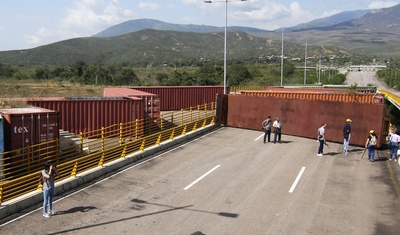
<point x="29" y="126"/>
<point x="183" y="97"/>
<point x="151" y="101"/>
<point x="91" y="114"/>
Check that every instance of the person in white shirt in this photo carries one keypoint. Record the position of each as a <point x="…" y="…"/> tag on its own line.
<point x="394" y="145"/>
<point x="321" y="139"/>
<point x="277" y="130"/>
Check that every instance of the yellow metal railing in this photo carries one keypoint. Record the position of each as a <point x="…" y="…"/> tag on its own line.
<point x="20" y="169"/>
<point x="391" y="96"/>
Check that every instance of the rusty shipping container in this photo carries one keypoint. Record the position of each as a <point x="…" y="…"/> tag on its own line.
<point x="323" y="90"/>
<point x="304" y="117"/>
<point x="367" y="98"/>
<point x="182" y="97"/>
<point x="151" y="101"/>
<point x="89" y="114"/>
<point x="29" y="126"/>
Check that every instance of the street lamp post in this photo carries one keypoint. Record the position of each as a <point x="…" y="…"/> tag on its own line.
<point x="282" y="56"/>
<point x="305" y="66"/>
<point x="226" y="25"/>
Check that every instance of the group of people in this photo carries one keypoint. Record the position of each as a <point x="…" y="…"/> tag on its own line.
<point x="393" y="143"/>
<point x="267" y="125"/>
<point x="370" y="144"/>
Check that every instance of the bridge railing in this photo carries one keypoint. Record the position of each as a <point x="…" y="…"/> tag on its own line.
<point x="20" y="169"/>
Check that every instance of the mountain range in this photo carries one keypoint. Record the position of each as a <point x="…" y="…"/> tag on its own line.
<point x="366" y="32"/>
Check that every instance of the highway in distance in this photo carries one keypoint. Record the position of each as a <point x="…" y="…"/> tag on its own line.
<point x="229" y="182"/>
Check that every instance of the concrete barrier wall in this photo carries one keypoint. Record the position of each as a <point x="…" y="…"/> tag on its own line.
<point x="304" y="117"/>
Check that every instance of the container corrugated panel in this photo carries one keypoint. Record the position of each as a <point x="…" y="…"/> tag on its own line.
<point x="307" y="90"/>
<point x="358" y="98"/>
<point x="92" y="114"/>
<point x="1" y="147"/>
<point x="29" y="126"/>
<point x="1" y="137"/>
<point x="152" y="101"/>
<point x="125" y="92"/>
<point x="304" y="117"/>
<point x="182" y="97"/>
<point x="361" y="89"/>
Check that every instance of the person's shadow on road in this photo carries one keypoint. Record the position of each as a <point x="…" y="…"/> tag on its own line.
<point x="82" y="209"/>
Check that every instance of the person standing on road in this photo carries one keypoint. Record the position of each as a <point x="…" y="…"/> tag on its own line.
<point x="48" y="174"/>
<point x="371" y="145"/>
<point x="277" y="130"/>
<point x="346" y="136"/>
<point x="394" y="145"/>
<point x="321" y="139"/>
<point x="266" y="124"/>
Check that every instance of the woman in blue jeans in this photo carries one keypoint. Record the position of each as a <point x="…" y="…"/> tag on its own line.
<point x="394" y="143"/>
<point x="371" y="145"/>
<point x="48" y="174"/>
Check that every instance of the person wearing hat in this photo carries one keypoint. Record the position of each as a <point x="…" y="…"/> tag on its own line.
<point x="277" y="130"/>
<point x="346" y="135"/>
<point x="371" y="145"/>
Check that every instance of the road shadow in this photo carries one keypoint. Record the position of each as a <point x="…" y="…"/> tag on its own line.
<point x="360" y="150"/>
<point x="282" y="142"/>
<point x="332" y="154"/>
<point x="139" y="203"/>
<point x="81" y="209"/>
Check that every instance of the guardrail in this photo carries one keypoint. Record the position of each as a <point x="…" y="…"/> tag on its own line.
<point x="73" y="154"/>
<point x="394" y="99"/>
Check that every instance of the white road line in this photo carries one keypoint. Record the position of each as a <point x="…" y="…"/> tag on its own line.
<point x="297" y="179"/>
<point x="194" y="182"/>
<point x="258" y="137"/>
<point x="83" y="189"/>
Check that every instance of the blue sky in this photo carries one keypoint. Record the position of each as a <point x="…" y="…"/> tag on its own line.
<point x="27" y="24"/>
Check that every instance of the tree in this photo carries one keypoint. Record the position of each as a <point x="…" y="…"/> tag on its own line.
<point x="238" y="75"/>
<point x="6" y="70"/>
<point x="161" y="78"/>
<point x="126" y="77"/>
<point x="42" y="73"/>
<point x="210" y="75"/>
<point x="77" y="68"/>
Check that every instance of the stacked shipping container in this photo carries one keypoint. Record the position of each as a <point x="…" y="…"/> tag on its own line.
<point x="88" y="114"/>
<point x="182" y="97"/>
<point x="151" y="101"/>
<point x="29" y="126"/>
<point x="26" y="127"/>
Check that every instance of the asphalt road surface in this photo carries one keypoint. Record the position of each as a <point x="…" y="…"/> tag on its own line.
<point x="229" y="182"/>
<point x="364" y="78"/>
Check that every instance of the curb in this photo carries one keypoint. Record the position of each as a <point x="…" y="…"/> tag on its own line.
<point x="33" y="198"/>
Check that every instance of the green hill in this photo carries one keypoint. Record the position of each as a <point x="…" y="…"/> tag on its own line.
<point x="156" y="46"/>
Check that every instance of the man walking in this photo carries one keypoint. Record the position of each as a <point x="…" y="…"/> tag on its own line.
<point x="277" y="130"/>
<point x="321" y="139"/>
<point x="394" y="146"/>
<point x="266" y="124"/>
<point x="346" y="136"/>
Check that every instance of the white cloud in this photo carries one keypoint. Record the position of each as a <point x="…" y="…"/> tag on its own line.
<point x="39" y="35"/>
<point x="92" y="15"/>
<point x="381" y="4"/>
<point x="330" y="13"/>
<point x="86" y="18"/>
<point x="192" y="2"/>
<point x="271" y="15"/>
<point x="147" y="6"/>
<point x="44" y="35"/>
